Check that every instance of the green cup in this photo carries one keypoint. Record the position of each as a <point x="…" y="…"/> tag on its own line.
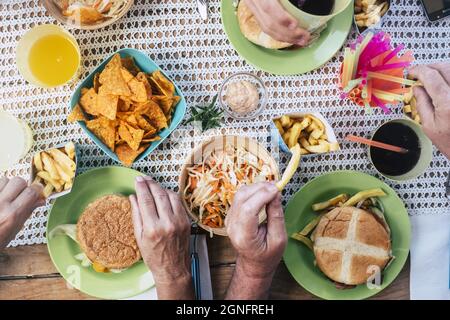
<point x="426" y="153"/>
<point x="312" y="22"/>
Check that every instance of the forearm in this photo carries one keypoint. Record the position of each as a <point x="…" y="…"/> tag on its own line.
<point x="179" y="289"/>
<point x="246" y="286"/>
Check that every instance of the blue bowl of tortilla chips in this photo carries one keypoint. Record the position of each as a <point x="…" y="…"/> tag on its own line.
<point x="127" y="106"/>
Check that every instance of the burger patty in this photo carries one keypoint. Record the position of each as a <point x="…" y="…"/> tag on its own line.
<point x="105" y="232"/>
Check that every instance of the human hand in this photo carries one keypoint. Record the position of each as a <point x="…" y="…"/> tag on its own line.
<point x="17" y="202"/>
<point x="162" y="230"/>
<point x="259" y="246"/>
<point x="277" y="22"/>
<point x="433" y="102"/>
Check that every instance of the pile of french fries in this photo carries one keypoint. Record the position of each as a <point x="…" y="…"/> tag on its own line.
<point x="369" y="12"/>
<point x="308" y="131"/>
<point x="55" y="169"/>
<point x="410" y="107"/>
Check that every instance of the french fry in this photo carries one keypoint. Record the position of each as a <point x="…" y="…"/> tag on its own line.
<point x="316" y="133"/>
<point x="331" y="202"/>
<point x="279" y="126"/>
<point x="308" y="131"/>
<point x="46" y="176"/>
<point x="38" y="161"/>
<point x="48" y="189"/>
<point x="362" y="195"/>
<point x="49" y="166"/>
<point x="68" y="185"/>
<point x="62" y="159"/>
<point x="296" y="129"/>
<point x="70" y="150"/>
<point x="304" y="143"/>
<point x="285" y="121"/>
<point x="312" y="141"/>
<point x="65" y="176"/>
<point x="321" y="148"/>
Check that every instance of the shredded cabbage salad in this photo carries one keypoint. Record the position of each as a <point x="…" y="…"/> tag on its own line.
<point x="211" y="185"/>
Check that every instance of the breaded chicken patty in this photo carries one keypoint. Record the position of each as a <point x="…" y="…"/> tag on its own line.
<point x="105" y="233"/>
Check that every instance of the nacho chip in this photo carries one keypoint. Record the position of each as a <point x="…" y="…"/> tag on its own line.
<point x="145" y="125"/>
<point x="165" y="103"/>
<point x="128" y="63"/>
<point x="127" y="155"/>
<point x="138" y="92"/>
<point x="130" y="135"/>
<point x="154" y="114"/>
<point x="84" y="91"/>
<point x="132" y="121"/>
<point x="76" y="115"/>
<point x="88" y="102"/>
<point x="104" y="129"/>
<point x="96" y="82"/>
<point x="163" y="85"/>
<point x="149" y="140"/>
<point x="124" y="104"/>
<point x="107" y="103"/>
<point x="112" y="80"/>
<point x="127" y="76"/>
<point x="143" y="78"/>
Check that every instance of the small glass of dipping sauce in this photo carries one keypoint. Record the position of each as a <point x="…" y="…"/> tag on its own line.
<point x="243" y="96"/>
<point x="401" y="166"/>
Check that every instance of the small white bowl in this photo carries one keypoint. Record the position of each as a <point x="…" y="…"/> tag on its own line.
<point x="257" y="82"/>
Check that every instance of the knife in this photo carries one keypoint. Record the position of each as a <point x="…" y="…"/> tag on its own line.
<point x="202" y="7"/>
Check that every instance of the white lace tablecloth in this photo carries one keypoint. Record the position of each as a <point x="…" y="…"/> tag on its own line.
<point x="198" y="56"/>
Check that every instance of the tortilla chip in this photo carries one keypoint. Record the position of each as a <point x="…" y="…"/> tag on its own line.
<point x="131" y="135"/>
<point x="165" y="103"/>
<point x="145" y="125"/>
<point x="154" y="114"/>
<point x="112" y="80"/>
<point x="162" y="84"/>
<point x="104" y="129"/>
<point x="84" y="91"/>
<point x="96" y="82"/>
<point x="76" y="115"/>
<point x="139" y="94"/>
<point x="127" y="155"/>
<point x="128" y="63"/>
<point x="124" y="104"/>
<point x="149" y="140"/>
<point x="143" y="78"/>
<point x="88" y="102"/>
<point x="127" y="76"/>
<point x="107" y="104"/>
<point x="132" y="121"/>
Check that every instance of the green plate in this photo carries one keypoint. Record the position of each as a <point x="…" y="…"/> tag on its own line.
<point x="288" y="62"/>
<point x="67" y="209"/>
<point x="300" y="260"/>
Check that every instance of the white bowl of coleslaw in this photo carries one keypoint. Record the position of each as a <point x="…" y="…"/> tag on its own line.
<point x="215" y="170"/>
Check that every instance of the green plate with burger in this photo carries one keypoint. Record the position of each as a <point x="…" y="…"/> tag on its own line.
<point x="89" y="188"/>
<point x="348" y="244"/>
<point x="288" y="61"/>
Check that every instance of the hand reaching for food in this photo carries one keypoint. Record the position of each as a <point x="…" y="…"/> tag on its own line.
<point x="162" y="229"/>
<point x="259" y="246"/>
<point x="275" y="21"/>
<point x="433" y="102"/>
<point x="17" y="202"/>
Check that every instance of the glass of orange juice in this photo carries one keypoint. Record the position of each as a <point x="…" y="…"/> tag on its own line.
<point x="48" y="56"/>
